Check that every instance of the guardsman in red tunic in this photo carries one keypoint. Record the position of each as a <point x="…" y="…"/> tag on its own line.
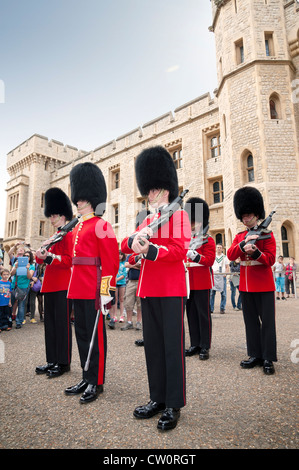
<point x="199" y="262"/>
<point x="257" y="286"/>
<point x="58" y="260"/>
<point x="95" y="265"/>
<point x="162" y="288"/>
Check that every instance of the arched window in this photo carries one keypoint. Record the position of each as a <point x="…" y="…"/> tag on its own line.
<point x="273" y="112"/>
<point x="250" y="168"/>
<point x="285" y="241"/>
<point x="275" y="106"/>
<point x="219" y="238"/>
<point x="247" y="166"/>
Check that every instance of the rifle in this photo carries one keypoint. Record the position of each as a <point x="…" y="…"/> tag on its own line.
<point x="166" y="214"/>
<point x="200" y="239"/>
<point x="60" y="235"/>
<point x="260" y="229"/>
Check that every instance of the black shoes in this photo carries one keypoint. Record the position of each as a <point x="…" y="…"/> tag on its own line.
<point x="52" y="370"/>
<point x="251" y="362"/>
<point x="268" y="366"/>
<point x="149" y="410"/>
<point x="44" y="369"/>
<point x="139" y="342"/>
<point x="169" y="419"/>
<point x="204" y="354"/>
<point x="90" y="392"/>
<point x="75" y="389"/>
<point x="57" y="370"/>
<point x="192" y="351"/>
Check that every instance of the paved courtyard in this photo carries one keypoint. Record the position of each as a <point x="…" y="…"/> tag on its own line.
<point x="227" y="407"/>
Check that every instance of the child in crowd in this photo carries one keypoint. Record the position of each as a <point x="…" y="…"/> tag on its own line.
<point x="5" y="301"/>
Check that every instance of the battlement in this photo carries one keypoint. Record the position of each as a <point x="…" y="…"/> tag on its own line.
<point x="40" y="145"/>
<point x="185" y="113"/>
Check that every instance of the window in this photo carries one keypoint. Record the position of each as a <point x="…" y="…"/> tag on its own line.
<point x="42" y="228"/>
<point x="116" y="214"/>
<point x="218" y="195"/>
<point x="14" y="201"/>
<point x="218" y="239"/>
<point x="42" y="200"/>
<point x="239" y="51"/>
<point x="274" y="106"/>
<point x="250" y="168"/>
<point x="269" y="44"/>
<point x="116" y="178"/>
<point x="215" y="146"/>
<point x="273" y="111"/>
<point x="175" y="150"/>
<point x="177" y="158"/>
<point x="285" y="242"/>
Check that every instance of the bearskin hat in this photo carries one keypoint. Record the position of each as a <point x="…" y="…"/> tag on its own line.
<point x="198" y="213"/>
<point x="248" y="200"/>
<point x="88" y="184"/>
<point x="57" y="202"/>
<point x="155" y="169"/>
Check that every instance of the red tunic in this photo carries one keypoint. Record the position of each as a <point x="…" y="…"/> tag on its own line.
<point x="94" y="238"/>
<point x="201" y="276"/>
<point x="57" y="274"/>
<point x="164" y="275"/>
<point x="255" y="273"/>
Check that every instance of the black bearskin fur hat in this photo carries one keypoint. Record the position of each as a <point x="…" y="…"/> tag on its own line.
<point x="88" y="184"/>
<point x="200" y="214"/>
<point x="57" y="202"/>
<point x="248" y="200"/>
<point x="155" y="169"/>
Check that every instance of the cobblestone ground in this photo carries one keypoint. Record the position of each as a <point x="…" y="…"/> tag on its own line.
<point x="227" y="407"/>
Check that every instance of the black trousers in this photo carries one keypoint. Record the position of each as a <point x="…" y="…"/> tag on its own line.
<point x="164" y="345"/>
<point x="58" y="331"/>
<point x="199" y="318"/>
<point x="85" y="317"/>
<point x="259" y="319"/>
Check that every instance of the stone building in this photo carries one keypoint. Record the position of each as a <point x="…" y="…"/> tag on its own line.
<point x="246" y="134"/>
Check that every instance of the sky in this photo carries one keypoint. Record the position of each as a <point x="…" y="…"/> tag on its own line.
<point x="84" y="72"/>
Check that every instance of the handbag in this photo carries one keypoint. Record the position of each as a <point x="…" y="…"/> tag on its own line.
<point x="37" y="285"/>
<point x="19" y="293"/>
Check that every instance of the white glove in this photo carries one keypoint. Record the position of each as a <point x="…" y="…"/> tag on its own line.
<point x="191" y="254"/>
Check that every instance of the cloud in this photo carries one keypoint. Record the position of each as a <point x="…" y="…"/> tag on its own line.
<point x="174" y="68"/>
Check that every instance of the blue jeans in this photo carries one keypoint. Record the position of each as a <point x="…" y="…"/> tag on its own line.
<point x="223" y="297"/>
<point x="21" y="309"/>
<point x="234" y="290"/>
